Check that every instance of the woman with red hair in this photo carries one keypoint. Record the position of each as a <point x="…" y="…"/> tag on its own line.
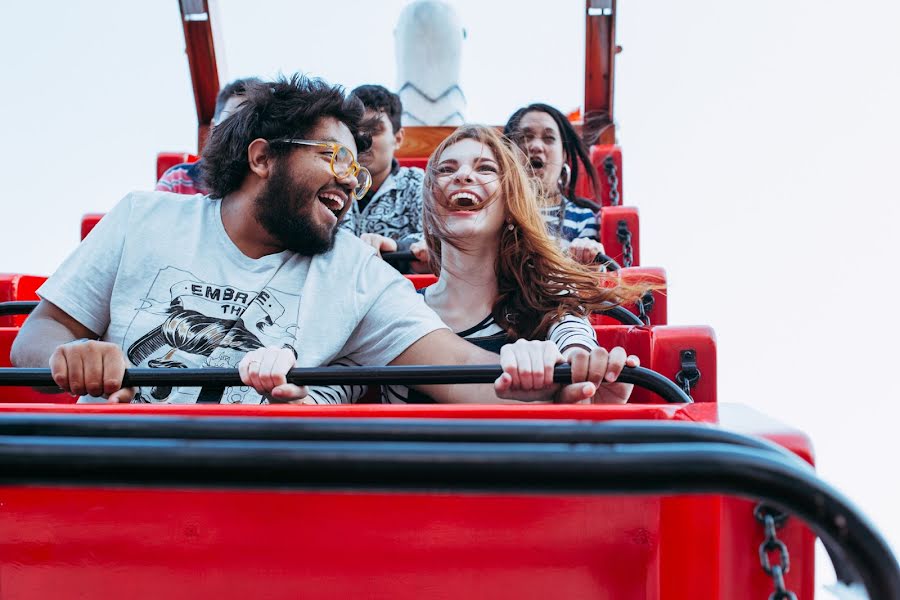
<point x="501" y="277"/>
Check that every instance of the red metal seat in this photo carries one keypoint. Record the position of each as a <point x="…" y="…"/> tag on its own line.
<point x="231" y="542"/>
<point x="23" y="394"/>
<point x="16" y="287"/>
<point x="678" y="350"/>
<point x="620" y="234"/>
<point x="88" y="222"/>
<point x="608" y="162"/>
<point x="422" y="281"/>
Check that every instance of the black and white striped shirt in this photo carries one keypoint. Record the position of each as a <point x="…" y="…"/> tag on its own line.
<point x="566" y="333"/>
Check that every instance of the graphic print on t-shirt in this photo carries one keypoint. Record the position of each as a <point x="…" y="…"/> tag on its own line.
<point x="186" y="322"/>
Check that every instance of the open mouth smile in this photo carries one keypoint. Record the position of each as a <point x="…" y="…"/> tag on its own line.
<point x="536" y="163"/>
<point x="333" y="201"/>
<point x="465" y="201"/>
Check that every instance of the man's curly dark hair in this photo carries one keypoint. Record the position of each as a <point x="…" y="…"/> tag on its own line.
<point x="285" y="108"/>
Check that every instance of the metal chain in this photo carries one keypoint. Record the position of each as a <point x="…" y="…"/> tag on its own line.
<point x="689" y="375"/>
<point x="644" y="306"/>
<point x="772" y="520"/>
<point x="624" y="236"/>
<point x="612" y="176"/>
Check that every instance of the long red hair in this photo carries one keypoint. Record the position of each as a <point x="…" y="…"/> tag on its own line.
<point x="537" y="284"/>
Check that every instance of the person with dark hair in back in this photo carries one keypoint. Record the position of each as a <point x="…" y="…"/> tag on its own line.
<point x="389" y="217"/>
<point x="185" y="178"/>
<point x="257" y="275"/>
<point x="555" y="156"/>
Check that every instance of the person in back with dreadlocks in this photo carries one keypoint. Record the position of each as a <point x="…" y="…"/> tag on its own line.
<point x="555" y="155"/>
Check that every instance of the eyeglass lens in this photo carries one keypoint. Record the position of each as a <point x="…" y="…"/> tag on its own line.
<point x="343" y="165"/>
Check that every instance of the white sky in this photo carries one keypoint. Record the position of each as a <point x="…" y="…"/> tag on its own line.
<point x="760" y="143"/>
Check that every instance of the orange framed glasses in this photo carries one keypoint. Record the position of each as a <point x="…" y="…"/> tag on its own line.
<point x="342" y="163"/>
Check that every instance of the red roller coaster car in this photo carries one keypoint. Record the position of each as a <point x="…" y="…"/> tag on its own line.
<point x="675" y="495"/>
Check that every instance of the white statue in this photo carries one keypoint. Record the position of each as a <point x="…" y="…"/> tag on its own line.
<point x="428" y="43"/>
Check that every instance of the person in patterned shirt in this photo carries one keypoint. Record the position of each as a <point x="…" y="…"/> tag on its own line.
<point x="389" y="217"/>
<point x="186" y="178"/>
<point x="555" y="154"/>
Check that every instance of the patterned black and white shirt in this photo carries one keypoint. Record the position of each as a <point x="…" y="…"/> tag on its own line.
<point x="394" y="211"/>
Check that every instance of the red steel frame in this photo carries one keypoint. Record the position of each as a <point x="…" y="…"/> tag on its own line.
<point x="599" y="62"/>
<point x="201" y="52"/>
<point x="600" y="51"/>
<point x="96" y="541"/>
<point x="185" y="543"/>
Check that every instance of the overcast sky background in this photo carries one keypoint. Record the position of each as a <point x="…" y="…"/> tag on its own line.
<point x="760" y="143"/>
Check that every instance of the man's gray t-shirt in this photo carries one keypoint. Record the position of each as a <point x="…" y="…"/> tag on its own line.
<point x="160" y="277"/>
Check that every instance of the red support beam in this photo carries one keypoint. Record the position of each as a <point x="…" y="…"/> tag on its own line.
<point x="599" y="61"/>
<point x="201" y="52"/>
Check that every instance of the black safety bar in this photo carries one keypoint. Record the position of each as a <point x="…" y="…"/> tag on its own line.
<point x="602" y="259"/>
<point x="17" y="308"/>
<point x="531" y="431"/>
<point x="398" y="258"/>
<point x="401" y="375"/>
<point x="622" y="315"/>
<point x="676" y="466"/>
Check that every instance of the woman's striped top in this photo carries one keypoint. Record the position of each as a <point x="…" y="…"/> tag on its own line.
<point x="566" y="333"/>
<point x="487" y="334"/>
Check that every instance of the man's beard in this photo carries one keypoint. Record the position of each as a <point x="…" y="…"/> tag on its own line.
<point x="281" y="208"/>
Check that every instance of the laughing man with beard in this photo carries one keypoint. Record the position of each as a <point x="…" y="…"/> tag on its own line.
<point x="261" y="254"/>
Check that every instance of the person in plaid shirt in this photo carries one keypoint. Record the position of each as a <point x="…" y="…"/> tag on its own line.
<point x="185" y="178"/>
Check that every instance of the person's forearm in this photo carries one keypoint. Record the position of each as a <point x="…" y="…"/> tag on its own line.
<point x="442" y="347"/>
<point x="36" y="342"/>
<point x="469" y="393"/>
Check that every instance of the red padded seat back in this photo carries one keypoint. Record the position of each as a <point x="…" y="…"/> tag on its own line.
<point x="167" y="160"/>
<point x="607" y="176"/>
<point x="16" y="287"/>
<point x="660" y="348"/>
<point x="615" y="223"/>
<point x="669" y="342"/>
<point x="88" y="222"/>
<point x="658" y="313"/>
<point x="23" y="394"/>
<point x="422" y="281"/>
